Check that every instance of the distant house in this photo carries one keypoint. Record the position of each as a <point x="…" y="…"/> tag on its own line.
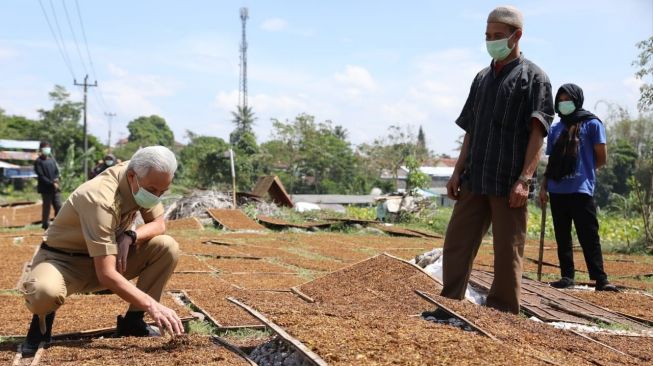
<point x="439" y="175"/>
<point x="17" y="160"/>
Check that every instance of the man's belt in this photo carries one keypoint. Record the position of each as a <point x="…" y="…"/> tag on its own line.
<point x="59" y="251"/>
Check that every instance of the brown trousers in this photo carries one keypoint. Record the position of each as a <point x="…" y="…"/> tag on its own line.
<point x="470" y="221"/>
<point x="55" y="276"/>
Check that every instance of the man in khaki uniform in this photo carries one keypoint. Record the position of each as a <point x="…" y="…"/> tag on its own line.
<point x="90" y="247"/>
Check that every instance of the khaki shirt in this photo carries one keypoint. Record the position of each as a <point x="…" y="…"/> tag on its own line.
<point x="96" y="213"/>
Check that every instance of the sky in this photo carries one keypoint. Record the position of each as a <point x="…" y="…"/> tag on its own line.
<point x="365" y="65"/>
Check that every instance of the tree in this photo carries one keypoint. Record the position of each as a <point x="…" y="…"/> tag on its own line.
<point x="244" y="119"/>
<point x="311" y="157"/>
<point x="202" y="162"/>
<point x="152" y="130"/>
<point x="16" y="127"/>
<point x="421" y="151"/>
<point x="645" y="64"/>
<point x="416" y="178"/>
<point x="61" y="127"/>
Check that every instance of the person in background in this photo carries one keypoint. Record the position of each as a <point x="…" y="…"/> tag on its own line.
<point x="108" y="161"/>
<point x="576" y="148"/>
<point x="47" y="173"/>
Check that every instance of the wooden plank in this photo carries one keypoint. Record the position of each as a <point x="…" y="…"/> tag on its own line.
<point x="456" y="315"/>
<point x="226" y="344"/>
<point x="301" y="295"/>
<point x="234" y="220"/>
<point x="37" y="356"/>
<point x="312" y="357"/>
<point x="598" y="342"/>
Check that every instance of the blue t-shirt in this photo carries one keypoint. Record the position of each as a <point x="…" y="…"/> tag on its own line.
<point x="592" y="132"/>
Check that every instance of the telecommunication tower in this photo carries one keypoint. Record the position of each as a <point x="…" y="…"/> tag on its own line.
<point x="242" y="89"/>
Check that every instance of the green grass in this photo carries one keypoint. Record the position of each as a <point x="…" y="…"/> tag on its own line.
<point x="305" y="273"/>
<point x="201" y="327"/>
<point x="245" y="333"/>
<point x="613" y="326"/>
<point x="10" y="292"/>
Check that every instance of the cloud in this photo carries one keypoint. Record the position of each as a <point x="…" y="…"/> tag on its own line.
<point x="356" y="80"/>
<point x="274" y="25"/>
<point x="7" y="53"/>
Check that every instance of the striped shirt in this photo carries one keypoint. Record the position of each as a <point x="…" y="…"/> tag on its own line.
<point x="497" y="117"/>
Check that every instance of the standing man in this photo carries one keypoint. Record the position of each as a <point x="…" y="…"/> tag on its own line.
<point x="506" y="116"/>
<point x="47" y="174"/>
<point x="91" y="246"/>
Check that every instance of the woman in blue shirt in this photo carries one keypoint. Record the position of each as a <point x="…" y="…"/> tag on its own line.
<point x="576" y="148"/>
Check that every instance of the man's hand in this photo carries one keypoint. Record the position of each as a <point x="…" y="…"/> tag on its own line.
<point x="166" y="319"/>
<point x="518" y="195"/>
<point x="453" y="186"/>
<point x="544" y="198"/>
<point x="124" y="242"/>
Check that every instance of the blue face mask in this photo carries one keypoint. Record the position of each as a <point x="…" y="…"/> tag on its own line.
<point x="46" y="151"/>
<point x="567" y="107"/>
<point x="108" y="162"/>
<point x="144" y="198"/>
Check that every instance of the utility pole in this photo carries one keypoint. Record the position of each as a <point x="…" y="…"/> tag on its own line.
<point x="85" y="85"/>
<point x="109" y="118"/>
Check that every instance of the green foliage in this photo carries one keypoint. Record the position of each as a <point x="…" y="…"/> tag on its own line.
<point x="361" y="213"/>
<point x="416" y="178"/>
<point x="202" y="162"/>
<point x="311" y="157"/>
<point x="244" y="119"/>
<point x="644" y="63"/>
<point x="152" y="130"/>
<point x="68" y="169"/>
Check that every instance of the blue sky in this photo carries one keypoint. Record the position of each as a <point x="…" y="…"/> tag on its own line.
<point x="362" y="64"/>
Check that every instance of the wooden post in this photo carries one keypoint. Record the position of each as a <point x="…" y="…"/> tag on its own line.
<point x="542" y="230"/>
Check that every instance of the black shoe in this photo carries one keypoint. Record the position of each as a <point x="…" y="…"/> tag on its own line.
<point x="564" y="282"/>
<point x="438" y="314"/>
<point x="34" y="336"/>
<point x="133" y="325"/>
<point x="605" y="286"/>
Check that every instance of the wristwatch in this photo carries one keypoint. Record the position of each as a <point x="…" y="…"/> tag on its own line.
<point x="526" y="180"/>
<point x="131" y="234"/>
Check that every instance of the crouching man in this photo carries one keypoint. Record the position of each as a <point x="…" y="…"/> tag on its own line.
<point x="90" y="247"/>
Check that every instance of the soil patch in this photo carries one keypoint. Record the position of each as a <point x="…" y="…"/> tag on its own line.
<point x="190" y="223"/>
<point x="183" y="350"/>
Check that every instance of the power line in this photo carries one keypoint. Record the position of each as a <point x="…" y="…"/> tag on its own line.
<point x="63" y="43"/>
<point x="63" y="56"/>
<point x="85" y="84"/>
<point x="72" y="31"/>
<point x="88" y="53"/>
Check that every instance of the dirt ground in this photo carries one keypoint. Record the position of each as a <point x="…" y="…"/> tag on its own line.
<point x="363" y="316"/>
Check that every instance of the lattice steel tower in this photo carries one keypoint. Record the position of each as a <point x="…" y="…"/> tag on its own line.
<point x="242" y="90"/>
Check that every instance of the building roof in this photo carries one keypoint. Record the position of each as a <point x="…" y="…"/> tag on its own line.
<point x="5" y="165"/>
<point x="18" y="144"/>
<point x="272" y="186"/>
<point x="435" y="171"/>
<point x="340" y="199"/>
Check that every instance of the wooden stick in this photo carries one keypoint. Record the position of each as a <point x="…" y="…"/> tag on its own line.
<point x="542" y="229"/>
<point x="456" y="315"/>
<point x="598" y="342"/>
<point x="301" y="295"/>
<point x="310" y="355"/>
<point x="37" y="356"/>
<point x="234" y="349"/>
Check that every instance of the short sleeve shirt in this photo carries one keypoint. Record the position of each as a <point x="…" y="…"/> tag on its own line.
<point x="497" y="118"/>
<point x="96" y="213"/>
<point x="591" y="133"/>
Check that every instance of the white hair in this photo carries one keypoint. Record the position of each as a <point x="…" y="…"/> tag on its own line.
<point x="158" y="158"/>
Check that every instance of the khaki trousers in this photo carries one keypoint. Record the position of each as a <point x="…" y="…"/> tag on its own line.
<point x="472" y="216"/>
<point x="54" y="276"/>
